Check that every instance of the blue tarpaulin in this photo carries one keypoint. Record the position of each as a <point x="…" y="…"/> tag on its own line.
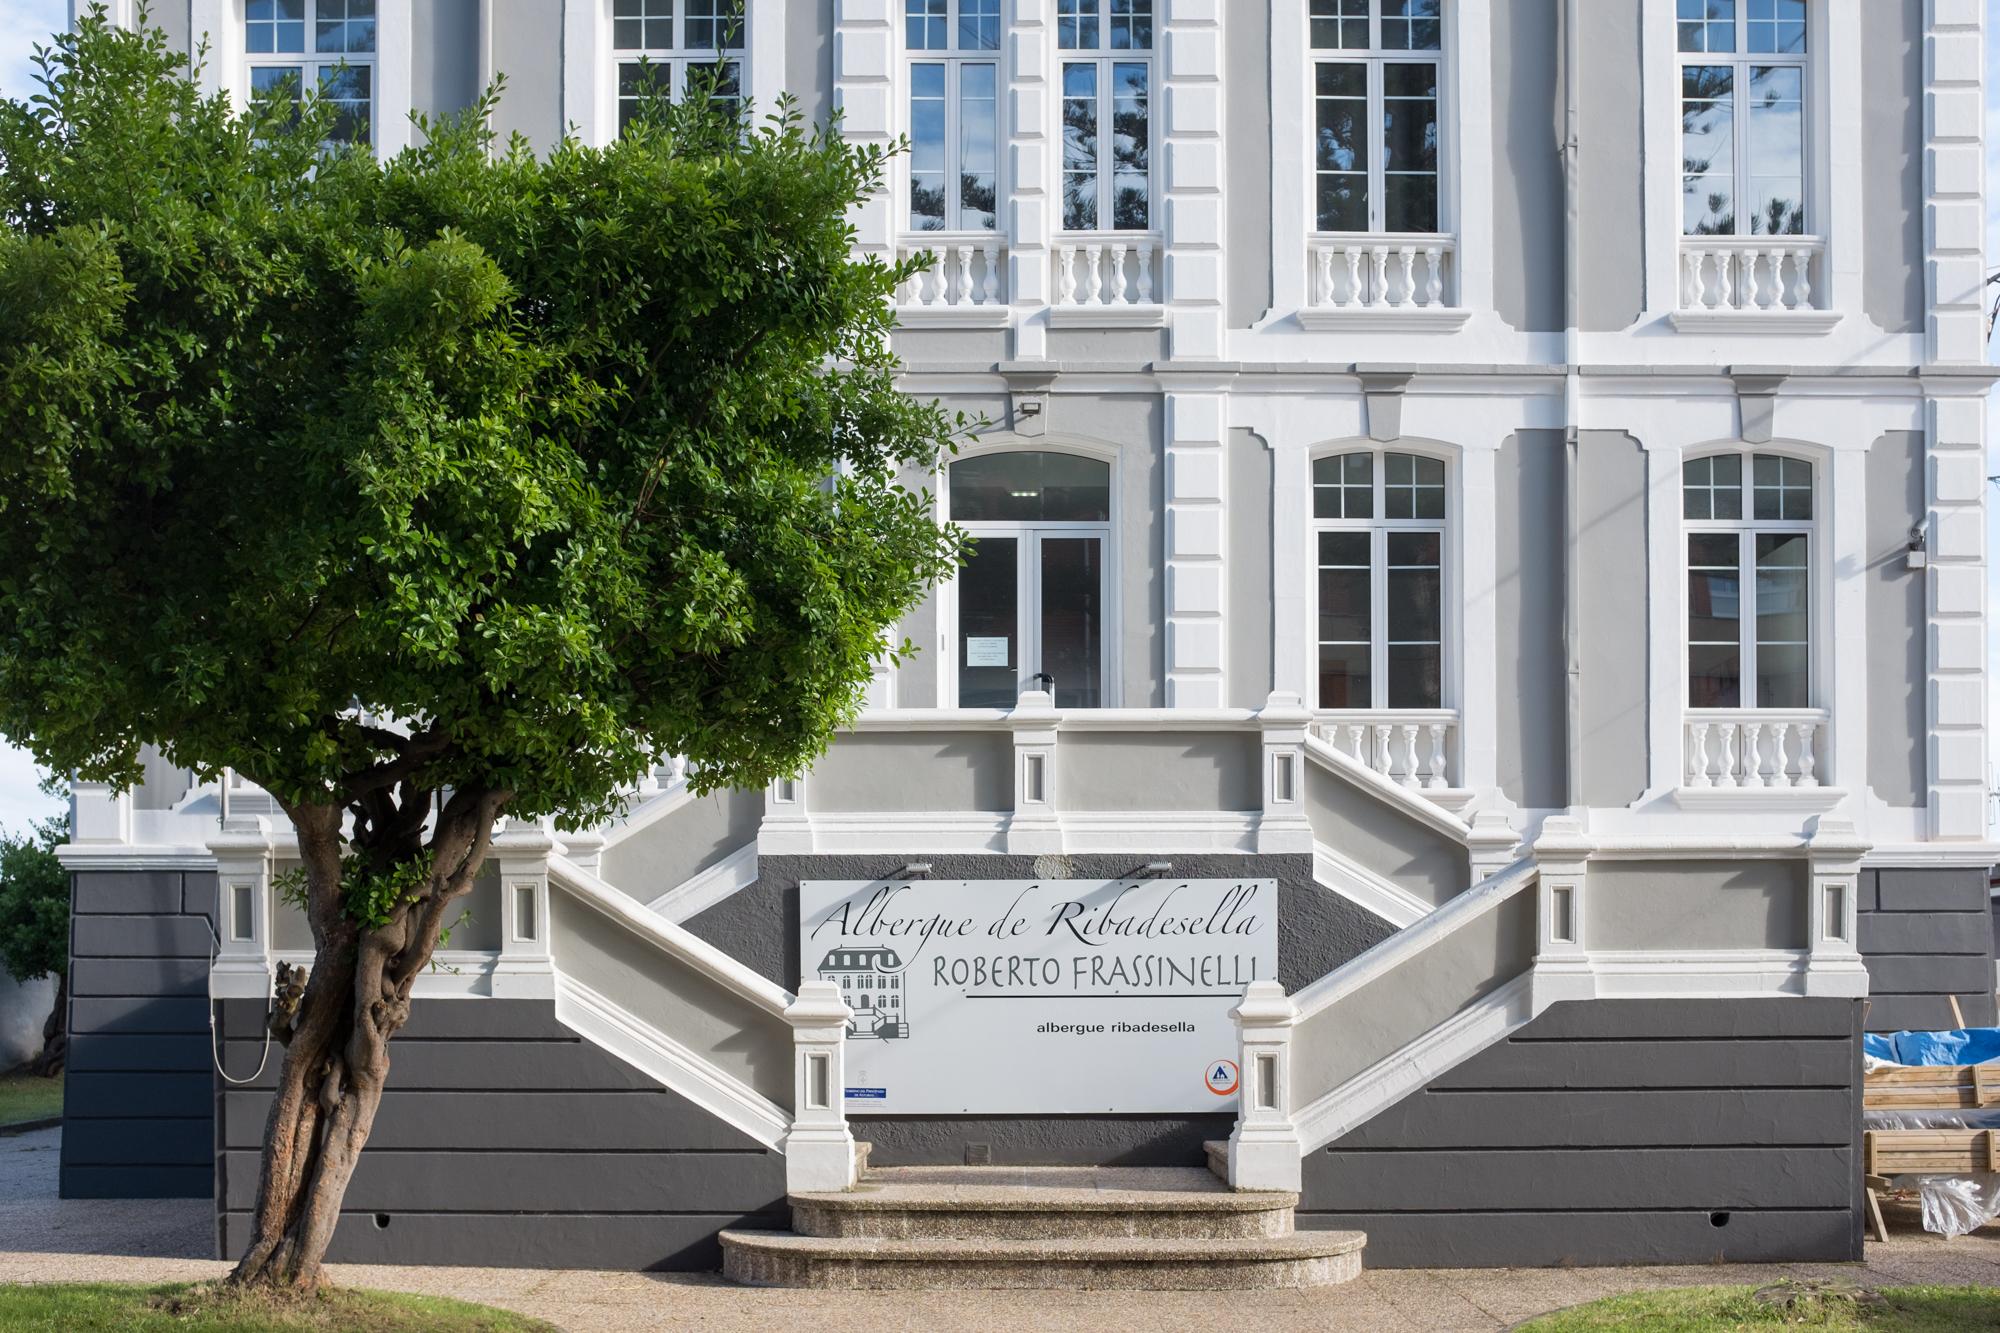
<point x="1956" y="1046"/>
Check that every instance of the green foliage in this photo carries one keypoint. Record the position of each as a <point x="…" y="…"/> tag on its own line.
<point x="1918" y="1309"/>
<point x="34" y="902"/>
<point x="213" y="1307"/>
<point x="575" y="459"/>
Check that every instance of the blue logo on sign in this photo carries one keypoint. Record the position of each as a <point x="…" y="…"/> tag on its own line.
<point x="868" y="1094"/>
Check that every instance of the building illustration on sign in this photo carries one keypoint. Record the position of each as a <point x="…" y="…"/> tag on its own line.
<point x="871" y="984"/>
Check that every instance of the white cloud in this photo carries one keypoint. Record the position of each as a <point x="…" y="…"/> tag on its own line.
<point x="29" y="23"/>
<point x="21" y="801"/>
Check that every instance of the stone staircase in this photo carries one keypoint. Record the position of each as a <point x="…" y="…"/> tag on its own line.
<point x="1062" y="1228"/>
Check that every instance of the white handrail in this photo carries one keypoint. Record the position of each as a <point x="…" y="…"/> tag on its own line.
<point x="1408" y="800"/>
<point x="1358" y="971"/>
<point x="681" y="944"/>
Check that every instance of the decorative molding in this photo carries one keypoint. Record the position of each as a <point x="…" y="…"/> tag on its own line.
<point x="1367" y="890"/>
<point x="954" y="316"/>
<point x="1418" y="319"/>
<point x="660" y="1057"/>
<point x="1410" y="802"/>
<point x="1759" y="798"/>
<point x="1108" y="317"/>
<point x="703" y="890"/>
<point x="1796" y="323"/>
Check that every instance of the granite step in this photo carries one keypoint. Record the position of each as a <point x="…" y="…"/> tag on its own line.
<point x="785" y="1259"/>
<point x="1043" y="1203"/>
<point x="1216" y="1151"/>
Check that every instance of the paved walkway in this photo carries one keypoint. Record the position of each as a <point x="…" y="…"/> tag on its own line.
<point x="43" y="1239"/>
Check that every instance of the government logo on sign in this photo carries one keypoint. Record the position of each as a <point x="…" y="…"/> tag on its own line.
<point x="1221" y="1077"/>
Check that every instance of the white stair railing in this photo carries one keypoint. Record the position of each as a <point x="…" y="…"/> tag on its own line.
<point x="1742" y="749"/>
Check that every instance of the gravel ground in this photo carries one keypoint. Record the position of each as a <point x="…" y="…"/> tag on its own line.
<point x="43" y="1239"/>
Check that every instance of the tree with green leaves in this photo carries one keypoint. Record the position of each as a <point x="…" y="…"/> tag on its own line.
<point x="34" y="924"/>
<point x="434" y="490"/>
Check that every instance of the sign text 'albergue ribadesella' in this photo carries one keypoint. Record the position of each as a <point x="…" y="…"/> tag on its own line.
<point x="1040" y="996"/>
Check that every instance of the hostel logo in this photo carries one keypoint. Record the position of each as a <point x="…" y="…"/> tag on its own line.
<point x="1222" y="1077"/>
<point x="871" y="984"/>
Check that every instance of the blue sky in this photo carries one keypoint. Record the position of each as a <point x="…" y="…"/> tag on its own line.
<point x="25" y="22"/>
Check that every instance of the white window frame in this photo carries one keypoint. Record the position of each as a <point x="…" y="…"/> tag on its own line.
<point x="590" y="63"/>
<point x="1746" y="530"/>
<point x="1375" y="58"/>
<point x="1104" y="56"/>
<point x="1465" y="168"/>
<point x="227" y="70"/>
<point x="1378" y="529"/>
<point x="1740" y="62"/>
<point x="954" y="58"/>
<point x="1111" y="659"/>
<point x="678" y="60"/>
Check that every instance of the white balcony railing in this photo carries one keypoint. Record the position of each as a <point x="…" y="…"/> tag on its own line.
<point x="1409" y="747"/>
<point x="1106" y="269"/>
<point x="1382" y="272"/>
<point x="1751" y="274"/>
<point x="1734" y="748"/>
<point x="968" y="271"/>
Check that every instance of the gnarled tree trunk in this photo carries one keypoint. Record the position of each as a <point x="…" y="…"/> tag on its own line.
<point x="55" y="1034"/>
<point x="356" y="999"/>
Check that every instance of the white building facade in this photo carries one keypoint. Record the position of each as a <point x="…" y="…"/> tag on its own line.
<point x="1510" y="473"/>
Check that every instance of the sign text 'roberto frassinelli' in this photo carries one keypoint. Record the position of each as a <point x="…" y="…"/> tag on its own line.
<point x="1051" y="997"/>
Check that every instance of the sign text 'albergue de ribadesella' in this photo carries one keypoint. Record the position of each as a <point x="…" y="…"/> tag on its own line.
<point x="1050" y="997"/>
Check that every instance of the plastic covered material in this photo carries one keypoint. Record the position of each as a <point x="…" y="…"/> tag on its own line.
<point x="1956" y="1205"/>
<point x="1878" y="1046"/>
<point x="1952" y="1046"/>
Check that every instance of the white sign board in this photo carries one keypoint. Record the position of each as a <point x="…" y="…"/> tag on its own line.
<point x="1048" y="997"/>
<point x="987" y="652"/>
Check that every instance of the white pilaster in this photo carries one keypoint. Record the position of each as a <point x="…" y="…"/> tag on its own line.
<point x="1265" y="1152"/>
<point x="819" y="1148"/>
<point x="1562" y="959"/>
<point x="1197" y="469"/>
<point x="1035" y="827"/>
<point x="1029" y="214"/>
<point x="864" y="92"/>
<point x="1284" y="826"/>
<point x="1194" y="180"/>
<point x="764" y="24"/>
<point x="99" y="813"/>
<point x="787" y="826"/>
<point x="242" y="852"/>
<point x="525" y="969"/>
<point x="1833" y="964"/>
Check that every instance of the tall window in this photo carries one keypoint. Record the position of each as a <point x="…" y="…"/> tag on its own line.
<point x="1379" y="521"/>
<point x="954" y="113"/>
<point x="1031" y="593"/>
<point x="664" y="47"/>
<point x="328" y="45"/>
<point x="1375" y="114"/>
<point x="1743" y="72"/>
<point x="1749" y="527"/>
<point x="1107" y="83"/>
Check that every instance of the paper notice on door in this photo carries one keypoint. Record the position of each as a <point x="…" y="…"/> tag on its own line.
<point x="986" y="652"/>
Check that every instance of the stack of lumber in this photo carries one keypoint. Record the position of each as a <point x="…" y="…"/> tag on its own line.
<point x="1942" y="1152"/>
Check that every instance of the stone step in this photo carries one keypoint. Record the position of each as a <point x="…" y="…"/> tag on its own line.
<point x="1043" y="1203"/>
<point x="784" y="1259"/>
<point x="1217" y="1153"/>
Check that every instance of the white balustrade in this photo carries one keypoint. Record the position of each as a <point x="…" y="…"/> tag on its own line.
<point x="1381" y="272"/>
<point x="1733" y="748"/>
<point x="1751" y="273"/>
<point x="1410" y="748"/>
<point x="967" y="269"/>
<point x="1107" y="268"/>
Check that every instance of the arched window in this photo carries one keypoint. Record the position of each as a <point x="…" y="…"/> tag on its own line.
<point x="1749" y="531"/>
<point x="1379" y="525"/>
<point x="1031" y="594"/>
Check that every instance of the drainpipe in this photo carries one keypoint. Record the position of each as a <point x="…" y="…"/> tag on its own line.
<point x="1566" y="143"/>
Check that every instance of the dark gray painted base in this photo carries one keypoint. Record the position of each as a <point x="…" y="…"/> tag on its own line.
<point x="1615" y="1132"/>
<point x="1320" y="930"/>
<point x="504" y="1138"/>
<point x="137" y="1098"/>
<point x="1927" y="935"/>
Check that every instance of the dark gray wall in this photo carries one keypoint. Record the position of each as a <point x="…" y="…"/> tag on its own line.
<point x="1892" y="148"/>
<point x="1610" y="142"/>
<point x="1319" y="930"/>
<point x="1528" y="194"/>
<point x="1926" y="934"/>
<point x="504" y="1139"/>
<point x="1530" y="619"/>
<point x="137" y="1115"/>
<point x="1896" y="626"/>
<point x="1611" y="585"/>
<point x="1250" y="630"/>
<point x="1617" y="1132"/>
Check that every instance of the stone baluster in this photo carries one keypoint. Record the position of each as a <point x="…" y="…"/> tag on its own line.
<point x="1355" y="293"/>
<point x="961" y="286"/>
<point x="1146" y="273"/>
<point x="1693" y="293"/>
<point x="1378" y="290"/>
<point x="1117" y="295"/>
<point x="1406" y="294"/>
<point x="1093" y="278"/>
<point x="991" y="249"/>
<point x="1808" y="762"/>
<point x="1697" y="755"/>
<point x="1410" y="777"/>
<point x="1801" y="280"/>
<point x="1439" y="776"/>
<point x="1434" y="271"/>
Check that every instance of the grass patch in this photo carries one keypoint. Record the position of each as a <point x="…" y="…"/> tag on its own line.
<point x="28" y="1097"/>
<point x="208" y="1307"/>
<point x="1786" y="1305"/>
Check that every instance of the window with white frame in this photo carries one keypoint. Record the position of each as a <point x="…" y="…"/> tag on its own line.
<point x="1749" y="522"/>
<point x="954" y="82"/>
<point x="1376" y="136"/>
<point x="1379" y="530"/>
<point x="326" y="45"/>
<point x="665" y="47"/>
<point x="1107" y="109"/>
<point x="1742" y="89"/>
